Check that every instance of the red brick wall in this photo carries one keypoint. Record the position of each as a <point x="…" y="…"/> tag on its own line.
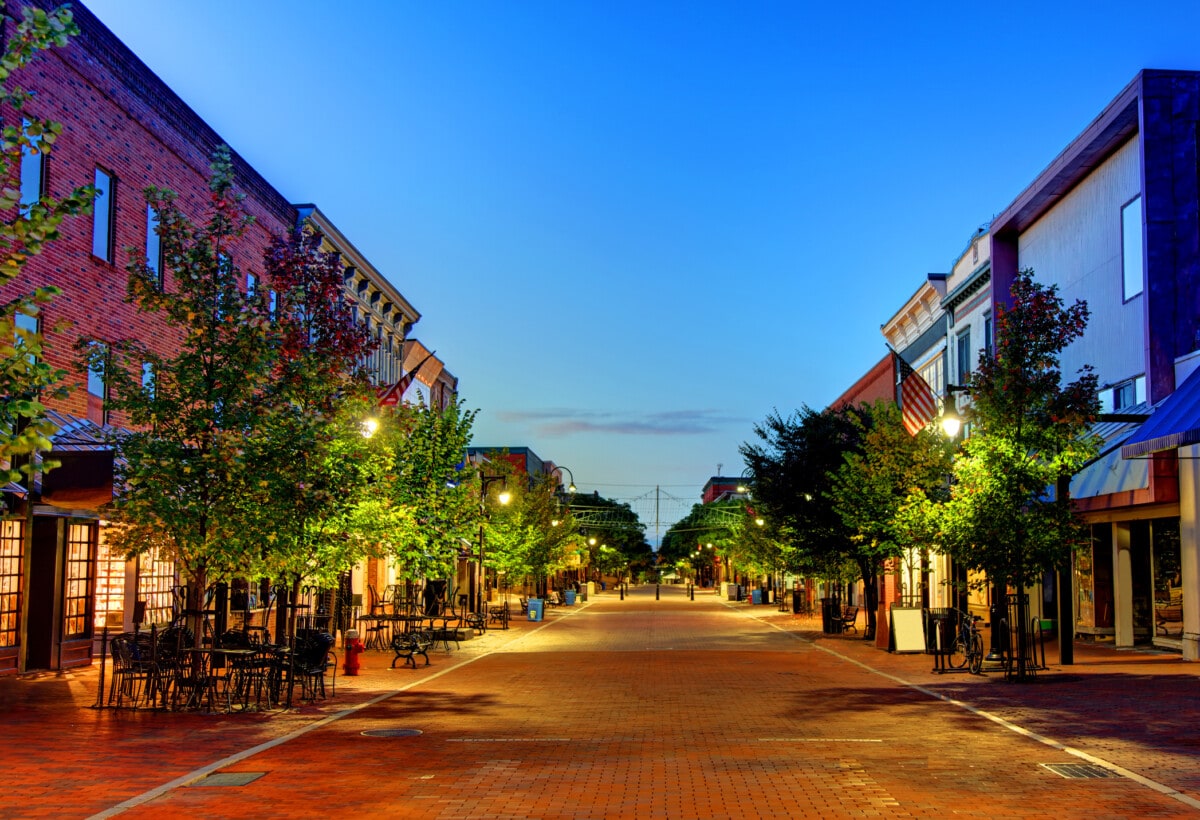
<point x="118" y="115"/>
<point x="877" y="383"/>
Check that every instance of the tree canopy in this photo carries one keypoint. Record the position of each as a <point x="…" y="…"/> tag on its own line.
<point x="1028" y="431"/>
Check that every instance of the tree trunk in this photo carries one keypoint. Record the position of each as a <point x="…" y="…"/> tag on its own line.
<point x="195" y="603"/>
<point x="871" y="599"/>
<point x="295" y="595"/>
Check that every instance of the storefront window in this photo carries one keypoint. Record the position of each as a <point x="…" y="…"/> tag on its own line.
<point x="110" y="587"/>
<point x="11" y="554"/>
<point x="1093" y="583"/>
<point x="156" y="577"/>
<point x="1168" y="578"/>
<point x="77" y="600"/>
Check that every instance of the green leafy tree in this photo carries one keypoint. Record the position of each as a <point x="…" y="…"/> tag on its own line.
<point x="533" y="534"/>
<point x="25" y="378"/>
<point x="1028" y="433"/>
<point x="313" y="465"/>
<point x="183" y="469"/>
<point x="792" y="465"/>
<point x="616" y="524"/>
<point x="426" y="503"/>
<point x="733" y="534"/>
<point x="876" y="488"/>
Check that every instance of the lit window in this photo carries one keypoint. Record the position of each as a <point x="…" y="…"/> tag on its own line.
<point x="33" y="171"/>
<point x="11" y="581"/>
<point x="103" y="209"/>
<point x="154" y="258"/>
<point x="78" y="581"/>
<point x="1131" y="247"/>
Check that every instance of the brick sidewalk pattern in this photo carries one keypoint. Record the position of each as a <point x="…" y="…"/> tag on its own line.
<point x="643" y="708"/>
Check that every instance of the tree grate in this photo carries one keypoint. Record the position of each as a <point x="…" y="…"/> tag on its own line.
<point x="392" y="732"/>
<point x="227" y="779"/>
<point x="1079" y="771"/>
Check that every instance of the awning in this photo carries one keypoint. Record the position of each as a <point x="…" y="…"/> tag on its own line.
<point x="1175" y="423"/>
<point x="1109" y="473"/>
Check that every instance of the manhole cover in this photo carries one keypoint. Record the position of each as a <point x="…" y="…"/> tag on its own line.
<point x="1079" y="771"/>
<point x="228" y="779"/>
<point x="392" y="732"/>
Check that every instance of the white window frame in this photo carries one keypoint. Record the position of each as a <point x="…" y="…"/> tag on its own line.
<point x="1132" y="250"/>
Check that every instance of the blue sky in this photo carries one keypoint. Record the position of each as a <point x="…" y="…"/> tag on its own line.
<point x="635" y="229"/>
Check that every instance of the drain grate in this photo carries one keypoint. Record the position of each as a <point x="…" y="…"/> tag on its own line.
<point x="227" y="779"/>
<point x="392" y="732"/>
<point x="1079" y="771"/>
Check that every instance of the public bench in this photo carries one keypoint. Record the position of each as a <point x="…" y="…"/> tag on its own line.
<point x="408" y="645"/>
<point x="1167" y="612"/>
<point x="848" y="619"/>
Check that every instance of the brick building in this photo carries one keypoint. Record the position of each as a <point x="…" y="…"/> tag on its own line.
<point x="124" y="130"/>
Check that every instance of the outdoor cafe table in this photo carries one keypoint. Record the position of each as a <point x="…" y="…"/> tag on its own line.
<point x="239" y="677"/>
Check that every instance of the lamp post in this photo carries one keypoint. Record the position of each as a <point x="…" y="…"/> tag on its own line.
<point x="504" y="497"/>
<point x="571" y="485"/>
<point x="558" y="468"/>
<point x="952" y="425"/>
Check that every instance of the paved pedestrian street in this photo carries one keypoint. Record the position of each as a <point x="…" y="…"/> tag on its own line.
<point x="643" y="708"/>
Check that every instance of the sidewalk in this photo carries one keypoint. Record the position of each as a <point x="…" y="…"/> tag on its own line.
<point x="38" y="692"/>
<point x="1135" y="708"/>
<point x="515" y="719"/>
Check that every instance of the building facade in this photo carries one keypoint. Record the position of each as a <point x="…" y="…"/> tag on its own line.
<point x="1113" y="221"/>
<point x="124" y="130"/>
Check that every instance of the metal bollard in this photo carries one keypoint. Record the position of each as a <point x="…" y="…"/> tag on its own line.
<point x="656" y="592"/>
<point x="103" y="658"/>
<point x="622" y="586"/>
<point x="692" y="591"/>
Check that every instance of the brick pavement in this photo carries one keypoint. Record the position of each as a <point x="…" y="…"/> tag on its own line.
<point x="641" y="708"/>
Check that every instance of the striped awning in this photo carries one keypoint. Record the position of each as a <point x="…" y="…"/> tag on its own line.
<point x="1174" y="423"/>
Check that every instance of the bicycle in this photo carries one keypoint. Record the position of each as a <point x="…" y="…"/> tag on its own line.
<point x="968" y="645"/>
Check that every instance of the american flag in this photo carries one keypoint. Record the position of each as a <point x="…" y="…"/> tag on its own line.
<point x="391" y="396"/>
<point x="917" y="403"/>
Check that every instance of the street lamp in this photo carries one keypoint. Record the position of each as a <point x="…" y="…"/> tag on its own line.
<point x="571" y="485"/>
<point x="951" y="421"/>
<point x="504" y="497"/>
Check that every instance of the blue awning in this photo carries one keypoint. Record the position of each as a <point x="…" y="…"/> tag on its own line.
<point x="1109" y="473"/>
<point x="1175" y="423"/>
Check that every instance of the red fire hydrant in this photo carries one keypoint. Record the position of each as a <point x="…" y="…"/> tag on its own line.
<point x="354" y="648"/>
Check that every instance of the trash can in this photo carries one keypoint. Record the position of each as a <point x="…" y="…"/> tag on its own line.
<point x="830" y="622"/>
<point x="583" y="594"/>
<point x="535" y="609"/>
<point x="570" y="597"/>
<point x="756" y="596"/>
<point x="797" y="602"/>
